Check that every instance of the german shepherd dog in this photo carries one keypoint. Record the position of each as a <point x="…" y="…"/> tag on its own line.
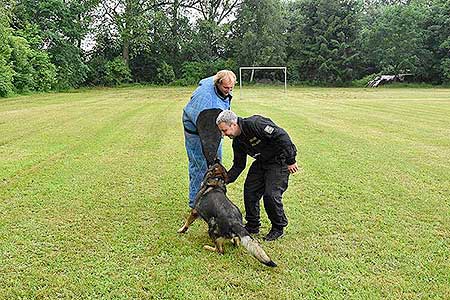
<point x="223" y="216"/>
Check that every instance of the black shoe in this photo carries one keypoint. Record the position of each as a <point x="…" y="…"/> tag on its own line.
<point x="251" y="230"/>
<point x="274" y="234"/>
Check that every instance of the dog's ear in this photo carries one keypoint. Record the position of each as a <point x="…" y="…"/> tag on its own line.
<point x="223" y="172"/>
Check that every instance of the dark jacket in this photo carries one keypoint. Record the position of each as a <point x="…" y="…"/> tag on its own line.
<point x="263" y="140"/>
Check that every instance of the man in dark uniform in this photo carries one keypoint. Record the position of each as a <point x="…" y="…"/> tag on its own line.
<point x="268" y="175"/>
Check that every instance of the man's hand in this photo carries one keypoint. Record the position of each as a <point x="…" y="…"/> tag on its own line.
<point x="293" y="168"/>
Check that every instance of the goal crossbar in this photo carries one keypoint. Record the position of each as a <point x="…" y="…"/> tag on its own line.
<point x="262" y="68"/>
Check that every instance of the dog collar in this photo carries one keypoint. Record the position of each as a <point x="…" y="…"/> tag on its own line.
<point x="214" y="182"/>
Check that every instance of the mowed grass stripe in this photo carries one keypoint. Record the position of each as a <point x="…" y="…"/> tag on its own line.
<point x="377" y="149"/>
<point x="426" y="115"/>
<point x="355" y="150"/>
<point x="370" y="124"/>
<point x="380" y="138"/>
<point x="386" y="179"/>
<point x="60" y="145"/>
<point x="94" y="215"/>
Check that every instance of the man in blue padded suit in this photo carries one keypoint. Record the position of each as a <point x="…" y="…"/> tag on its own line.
<point x="212" y="93"/>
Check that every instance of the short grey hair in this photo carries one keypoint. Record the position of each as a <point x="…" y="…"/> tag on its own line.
<point x="228" y="117"/>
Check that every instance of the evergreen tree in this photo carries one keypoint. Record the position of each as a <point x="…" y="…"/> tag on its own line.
<point x="323" y="40"/>
<point x="395" y="42"/>
<point x="258" y="36"/>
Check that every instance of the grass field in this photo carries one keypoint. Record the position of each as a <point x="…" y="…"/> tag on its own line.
<point x="93" y="187"/>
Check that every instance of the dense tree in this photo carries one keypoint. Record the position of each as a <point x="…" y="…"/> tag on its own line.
<point x="323" y="42"/>
<point x="20" y="56"/>
<point x="167" y="41"/>
<point x="43" y="71"/>
<point x="61" y="26"/>
<point x="437" y="38"/>
<point x="400" y="41"/>
<point x="132" y="20"/>
<point x="105" y="49"/>
<point x="33" y="70"/>
<point x="209" y="31"/>
<point x="259" y="34"/>
<point x="6" y="70"/>
<point x="62" y="44"/>
<point x="172" y="34"/>
<point x="217" y="11"/>
<point x="208" y="41"/>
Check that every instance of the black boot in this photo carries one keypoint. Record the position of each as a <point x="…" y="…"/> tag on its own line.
<point x="274" y="233"/>
<point x="251" y="229"/>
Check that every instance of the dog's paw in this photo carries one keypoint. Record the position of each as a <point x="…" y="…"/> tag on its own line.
<point x="182" y="229"/>
<point x="209" y="248"/>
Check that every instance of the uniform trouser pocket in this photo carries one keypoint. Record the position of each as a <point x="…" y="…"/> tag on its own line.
<point x="268" y="181"/>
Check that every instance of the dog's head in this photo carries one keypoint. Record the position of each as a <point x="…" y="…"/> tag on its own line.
<point x="217" y="172"/>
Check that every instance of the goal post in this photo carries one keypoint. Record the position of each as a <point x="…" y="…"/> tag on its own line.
<point x="262" y="68"/>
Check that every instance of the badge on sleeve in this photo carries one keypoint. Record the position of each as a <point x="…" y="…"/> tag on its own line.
<point x="268" y="129"/>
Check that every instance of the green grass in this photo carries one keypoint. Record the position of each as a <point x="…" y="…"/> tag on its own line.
<point x="93" y="187"/>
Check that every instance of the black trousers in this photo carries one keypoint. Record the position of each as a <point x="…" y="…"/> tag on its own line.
<point x="268" y="180"/>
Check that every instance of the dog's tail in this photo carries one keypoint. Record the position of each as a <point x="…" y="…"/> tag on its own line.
<point x="252" y="246"/>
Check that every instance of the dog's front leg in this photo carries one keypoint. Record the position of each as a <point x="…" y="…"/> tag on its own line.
<point x="218" y="246"/>
<point x="209" y="248"/>
<point x="192" y="216"/>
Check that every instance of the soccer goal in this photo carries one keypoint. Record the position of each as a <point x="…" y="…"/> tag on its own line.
<point x="253" y="69"/>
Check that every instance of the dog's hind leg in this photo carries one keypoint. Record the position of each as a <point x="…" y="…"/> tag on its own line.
<point x="236" y="241"/>
<point x="192" y="217"/>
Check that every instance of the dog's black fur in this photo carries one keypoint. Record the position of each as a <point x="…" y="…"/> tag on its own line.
<point x="223" y="216"/>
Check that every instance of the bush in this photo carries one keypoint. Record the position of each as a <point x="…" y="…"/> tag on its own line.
<point x="165" y="74"/>
<point x="43" y="71"/>
<point x="20" y="56"/>
<point x="293" y="72"/>
<point x="71" y="70"/>
<point x="193" y="72"/>
<point x="6" y="71"/>
<point x="446" y="69"/>
<point x="117" y="72"/>
<point x="97" y="71"/>
<point x="6" y="78"/>
<point x="33" y="70"/>
<point x="363" y="81"/>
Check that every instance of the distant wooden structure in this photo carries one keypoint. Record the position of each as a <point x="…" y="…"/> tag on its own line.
<point x="383" y="79"/>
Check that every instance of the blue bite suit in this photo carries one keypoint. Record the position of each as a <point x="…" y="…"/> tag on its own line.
<point x="204" y="97"/>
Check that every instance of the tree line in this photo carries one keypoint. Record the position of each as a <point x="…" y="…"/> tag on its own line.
<point x="61" y="44"/>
